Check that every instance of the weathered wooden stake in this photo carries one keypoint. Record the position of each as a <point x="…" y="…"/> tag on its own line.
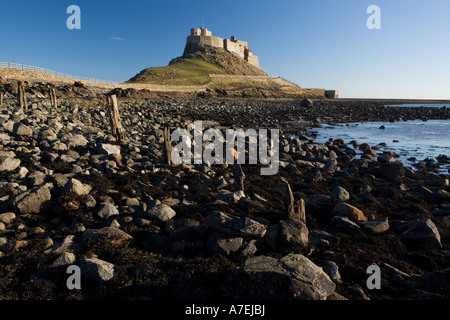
<point x="20" y="100"/>
<point x="1" y="98"/>
<point x="167" y="146"/>
<point x="291" y="204"/>
<point x="238" y="177"/>
<point x="117" y="128"/>
<point x="52" y="97"/>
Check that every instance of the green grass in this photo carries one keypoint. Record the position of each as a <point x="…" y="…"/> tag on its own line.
<point x="185" y="72"/>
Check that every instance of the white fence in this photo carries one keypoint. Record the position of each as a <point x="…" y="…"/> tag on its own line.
<point x="58" y="74"/>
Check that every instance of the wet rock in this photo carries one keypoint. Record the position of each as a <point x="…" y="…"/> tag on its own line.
<point x="349" y="211"/>
<point x="422" y="233"/>
<point x="293" y="233"/>
<point x="291" y="277"/>
<point x="339" y="194"/>
<point x="9" y="163"/>
<point x="393" y="171"/>
<point x="231" y="225"/>
<point x="341" y="224"/>
<point x="224" y="244"/>
<point x="97" y="270"/>
<point x="376" y="226"/>
<point x="107" y="210"/>
<point x="34" y="201"/>
<point x="161" y="212"/>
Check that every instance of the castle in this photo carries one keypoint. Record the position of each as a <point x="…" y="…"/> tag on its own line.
<point x="203" y="37"/>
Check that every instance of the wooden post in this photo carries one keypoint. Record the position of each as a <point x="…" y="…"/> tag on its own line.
<point x="167" y="146"/>
<point x="117" y="128"/>
<point x="20" y="94"/>
<point x="52" y="97"/>
<point x="1" y="98"/>
<point x="292" y="205"/>
<point x="238" y="177"/>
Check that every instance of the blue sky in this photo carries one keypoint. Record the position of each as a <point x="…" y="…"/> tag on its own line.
<point x="318" y="44"/>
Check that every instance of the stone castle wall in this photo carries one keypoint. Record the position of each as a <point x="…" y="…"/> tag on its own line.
<point x="203" y="37"/>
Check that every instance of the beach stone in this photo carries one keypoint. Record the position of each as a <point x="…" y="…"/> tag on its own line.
<point x="422" y="233"/>
<point x="224" y="244"/>
<point x="9" y="163"/>
<point x="107" y="210"/>
<point x="2" y="226"/>
<point x="238" y="226"/>
<point x="341" y="224"/>
<point x="74" y="140"/>
<point x="77" y="187"/>
<point x="22" y="130"/>
<point x="393" y="171"/>
<point x="7" y="217"/>
<point x="349" y="211"/>
<point x="291" y="277"/>
<point x="89" y="201"/>
<point x="293" y="233"/>
<point x="235" y="196"/>
<point x="66" y="258"/>
<point x="376" y="226"/>
<point x="108" y="149"/>
<point x="306" y="103"/>
<point x="33" y="201"/>
<point x="107" y="235"/>
<point x="339" y="194"/>
<point x="316" y="176"/>
<point x="161" y="212"/>
<point x="67" y="245"/>
<point x="96" y="270"/>
<point x="331" y="269"/>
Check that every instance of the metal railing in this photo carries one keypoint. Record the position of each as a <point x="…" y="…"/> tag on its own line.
<point x="20" y="66"/>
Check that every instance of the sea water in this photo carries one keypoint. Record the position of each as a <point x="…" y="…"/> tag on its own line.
<point x="409" y="139"/>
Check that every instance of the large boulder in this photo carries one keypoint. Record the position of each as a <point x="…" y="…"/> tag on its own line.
<point x="238" y="226"/>
<point x="34" y="201"/>
<point x="293" y="233"/>
<point x="291" y="277"/>
<point x="422" y="233"/>
<point x="393" y="171"/>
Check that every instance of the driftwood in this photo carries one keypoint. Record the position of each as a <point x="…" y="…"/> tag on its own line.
<point x="294" y="209"/>
<point x="117" y="128"/>
<point x="167" y="146"/>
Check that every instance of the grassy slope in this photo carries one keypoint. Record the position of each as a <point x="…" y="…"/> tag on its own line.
<point x="186" y="72"/>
